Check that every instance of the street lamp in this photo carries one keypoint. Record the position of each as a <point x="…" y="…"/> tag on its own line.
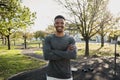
<point x="25" y="42"/>
<point x="115" y="73"/>
<point x="115" y="53"/>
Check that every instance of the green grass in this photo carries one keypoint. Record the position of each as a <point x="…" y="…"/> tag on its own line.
<point x="40" y="52"/>
<point x="4" y="47"/>
<point x="12" y="62"/>
<point x="95" y="49"/>
<point x="34" y="45"/>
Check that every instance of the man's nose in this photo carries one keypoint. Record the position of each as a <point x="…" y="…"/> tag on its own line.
<point x="60" y="24"/>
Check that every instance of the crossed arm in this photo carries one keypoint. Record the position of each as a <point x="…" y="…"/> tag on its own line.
<point x="50" y="54"/>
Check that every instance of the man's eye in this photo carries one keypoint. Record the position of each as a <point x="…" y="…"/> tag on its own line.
<point x="57" y="23"/>
<point x="62" y="23"/>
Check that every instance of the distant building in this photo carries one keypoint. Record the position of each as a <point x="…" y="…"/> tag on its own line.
<point x="98" y="38"/>
<point x="77" y="37"/>
<point x="118" y="38"/>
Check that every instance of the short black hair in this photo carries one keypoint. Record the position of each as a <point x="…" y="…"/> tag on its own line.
<point x="59" y="16"/>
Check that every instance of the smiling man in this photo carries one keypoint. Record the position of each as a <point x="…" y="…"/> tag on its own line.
<point x="59" y="48"/>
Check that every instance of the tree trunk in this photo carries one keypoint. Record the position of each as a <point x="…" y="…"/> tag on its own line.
<point x="87" y="47"/>
<point x="25" y="43"/>
<point x="5" y="41"/>
<point x="14" y="42"/>
<point x="8" y="38"/>
<point x="102" y="41"/>
<point x="2" y="40"/>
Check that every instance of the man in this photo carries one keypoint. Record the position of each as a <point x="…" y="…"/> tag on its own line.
<point x="59" y="48"/>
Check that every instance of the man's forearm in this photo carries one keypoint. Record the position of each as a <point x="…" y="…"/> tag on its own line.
<point x="65" y="54"/>
<point x="51" y="56"/>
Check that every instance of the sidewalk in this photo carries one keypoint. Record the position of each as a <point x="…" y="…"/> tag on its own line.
<point x="30" y="52"/>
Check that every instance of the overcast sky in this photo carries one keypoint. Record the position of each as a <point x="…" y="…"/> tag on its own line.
<point x="47" y="9"/>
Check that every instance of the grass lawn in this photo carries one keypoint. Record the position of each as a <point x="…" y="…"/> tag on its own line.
<point x="95" y="49"/>
<point x="12" y="62"/>
<point x="40" y="52"/>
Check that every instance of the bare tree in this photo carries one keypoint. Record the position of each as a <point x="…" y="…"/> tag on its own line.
<point x="105" y="26"/>
<point x="50" y="29"/>
<point x="87" y="15"/>
<point x="115" y="27"/>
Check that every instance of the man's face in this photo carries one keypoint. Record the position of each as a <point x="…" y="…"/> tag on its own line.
<point x="59" y="25"/>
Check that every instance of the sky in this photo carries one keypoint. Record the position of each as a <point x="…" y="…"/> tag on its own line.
<point x="47" y="9"/>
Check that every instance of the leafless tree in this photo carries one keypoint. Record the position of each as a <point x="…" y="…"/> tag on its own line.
<point x="87" y="14"/>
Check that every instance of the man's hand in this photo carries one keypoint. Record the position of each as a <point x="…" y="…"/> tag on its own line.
<point x="71" y="47"/>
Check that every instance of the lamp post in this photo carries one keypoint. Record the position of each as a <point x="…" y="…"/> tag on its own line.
<point x="25" y="42"/>
<point x="115" y="52"/>
<point x="115" y="67"/>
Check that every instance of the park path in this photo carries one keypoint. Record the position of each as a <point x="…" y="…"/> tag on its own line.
<point x="31" y="53"/>
<point x="36" y="74"/>
<point x="103" y="68"/>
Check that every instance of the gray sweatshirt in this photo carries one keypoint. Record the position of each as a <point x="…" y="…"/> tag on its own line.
<point x="55" y="50"/>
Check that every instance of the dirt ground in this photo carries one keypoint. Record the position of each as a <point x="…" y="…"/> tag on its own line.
<point x="103" y="68"/>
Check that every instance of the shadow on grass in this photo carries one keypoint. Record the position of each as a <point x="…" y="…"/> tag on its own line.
<point x="96" y="51"/>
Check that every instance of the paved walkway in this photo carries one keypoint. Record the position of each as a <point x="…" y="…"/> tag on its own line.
<point x="36" y="74"/>
<point x="31" y="53"/>
<point x="103" y="68"/>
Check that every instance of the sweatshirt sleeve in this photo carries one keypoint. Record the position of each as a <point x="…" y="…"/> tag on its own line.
<point x="47" y="51"/>
<point x="50" y="54"/>
<point x="67" y="54"/>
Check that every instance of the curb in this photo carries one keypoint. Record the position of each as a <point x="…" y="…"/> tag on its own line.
<point x="25" y="74"/>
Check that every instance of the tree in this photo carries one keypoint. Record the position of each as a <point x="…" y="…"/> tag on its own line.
<point x="115" y="30"/>
<point x="105" y="26"/>
<point x="3" y="39"/>
<point x="87" y="15"/>
<point x="40" y="34"/>
<point x="27" y="36"/>
<point x="50" y="29"/>
<point x="36" y="35"/>
<point x="71" y="29"/>
<point x="17" y="35"/>
<point x="15" y="17"/>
